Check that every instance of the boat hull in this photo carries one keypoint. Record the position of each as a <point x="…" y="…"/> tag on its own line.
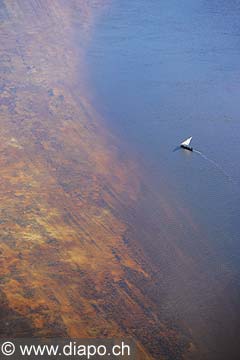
<point x="187" y="147"/>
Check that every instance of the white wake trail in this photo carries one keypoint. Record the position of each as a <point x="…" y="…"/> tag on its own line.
<point x="219" y="167"/>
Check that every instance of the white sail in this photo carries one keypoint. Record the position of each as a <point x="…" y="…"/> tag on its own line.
<point x="186" y="142"/>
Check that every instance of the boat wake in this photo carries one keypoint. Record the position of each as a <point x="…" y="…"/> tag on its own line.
<point x="217" y="166"/>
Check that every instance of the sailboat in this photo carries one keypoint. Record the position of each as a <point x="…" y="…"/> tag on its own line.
<point x="186" y="144"/>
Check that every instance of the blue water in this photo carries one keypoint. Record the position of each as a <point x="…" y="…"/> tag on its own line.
<point x="163" y="71"/>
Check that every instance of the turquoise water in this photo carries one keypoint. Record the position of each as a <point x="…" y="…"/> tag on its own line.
<point x="163" y="71"/>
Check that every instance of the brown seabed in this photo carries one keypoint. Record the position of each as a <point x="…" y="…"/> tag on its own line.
<point x="67" y="266"/>
<point x="70" y="264"/>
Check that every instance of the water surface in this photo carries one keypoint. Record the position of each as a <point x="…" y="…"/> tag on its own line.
<point x="163" y="71"/>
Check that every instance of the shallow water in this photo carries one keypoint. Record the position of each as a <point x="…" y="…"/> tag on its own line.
<point x="163" y="71"/>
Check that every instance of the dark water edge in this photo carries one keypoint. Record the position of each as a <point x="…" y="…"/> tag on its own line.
<point x="187" y="217"/>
